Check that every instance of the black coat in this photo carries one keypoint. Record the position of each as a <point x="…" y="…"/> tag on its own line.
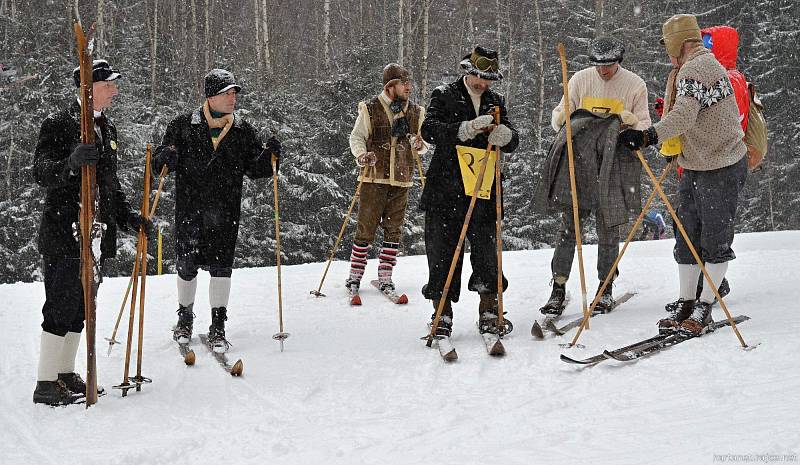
<point x="607" y="175"/>
<point x="59" y="135"/>
<point x="208" y="185"/>
<point x="450" y="106"/>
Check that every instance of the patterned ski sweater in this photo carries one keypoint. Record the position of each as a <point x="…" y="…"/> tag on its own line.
<point x="705" y="115"/>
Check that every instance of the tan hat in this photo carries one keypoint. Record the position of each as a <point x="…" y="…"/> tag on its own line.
<point x="677" y="30"/>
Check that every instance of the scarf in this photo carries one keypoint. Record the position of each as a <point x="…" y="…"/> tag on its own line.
<point x="225" y="122"/>
<point x="400" y="122"/>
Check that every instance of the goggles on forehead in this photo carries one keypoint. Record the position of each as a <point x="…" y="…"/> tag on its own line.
<point x="484" y="64"/>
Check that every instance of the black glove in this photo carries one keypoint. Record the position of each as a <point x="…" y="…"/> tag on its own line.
<point x="136" y="221"/>
<point x="83" y="154"/>
<point x="635" y="139"/>
<point x="273" y="146"/>
<point x="165" y="155"/>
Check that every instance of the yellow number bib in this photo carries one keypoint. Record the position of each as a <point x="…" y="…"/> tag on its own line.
<point x="672" y="147"/>
<point x="602" y="105"/>
<point x="470" y="160"/>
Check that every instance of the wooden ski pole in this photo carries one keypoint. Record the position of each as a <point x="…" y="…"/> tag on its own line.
<point x="87" y="210"/>
<point x="464" y="227"/>
<point x="113" y="339"/>
<point x="498" y="201"/>
<point x="125" y="384"/>
<point x="418" y="161"/>
<point x="628" y="240"/>
<point x="696" y="256"/>
<point x="139" y="379"/>
<point x="341" y="232"/>
<point x="562" y="53"/>
<point x="161" y="178"/>
<point x="281" y="335"/>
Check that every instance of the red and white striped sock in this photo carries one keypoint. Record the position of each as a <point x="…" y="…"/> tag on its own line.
<point x="388" y="259"/>
<point x="358" y="261"/>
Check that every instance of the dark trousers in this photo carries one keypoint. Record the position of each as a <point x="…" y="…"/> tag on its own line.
<point x="607" y="244"/>
<point x="63" y="309"/>
<point x="441" y="238"/>
<point x="187" y="268"/>
<point x="707" y="210"/>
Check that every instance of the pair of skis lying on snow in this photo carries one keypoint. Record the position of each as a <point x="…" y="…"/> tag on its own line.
<point x="391" y="294"/>
<point x="189" y="357"/>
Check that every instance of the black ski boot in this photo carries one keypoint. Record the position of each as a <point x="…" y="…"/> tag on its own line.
<point x="606" y="302"/>
<point x="487" y="316"/>
<point x="678" y="311"/>
<point x="697" y="324"/>
<point x="182" y="332"/>
<point x="555" y="305"/>
<point x="55" y="394"/>
<point x="216" y="332"/>
<point x="445" y="326"/>
<point x="75" y="383"/>
<point x="724" y="290"/>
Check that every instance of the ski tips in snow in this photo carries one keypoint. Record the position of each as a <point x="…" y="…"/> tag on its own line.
<point x="189" y="358"/>
<point x="237" y="368"/>
<point x="536" y="330"/>
<point x="355" y="300"/>
<point x="234" y="370"/>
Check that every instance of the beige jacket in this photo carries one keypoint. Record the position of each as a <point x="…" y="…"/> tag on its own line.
<point x="625" y="86"/>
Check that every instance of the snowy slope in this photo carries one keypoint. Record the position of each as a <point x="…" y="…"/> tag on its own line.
<point x="357" y="386"/>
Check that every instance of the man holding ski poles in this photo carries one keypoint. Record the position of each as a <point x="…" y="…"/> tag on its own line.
<point x="57" y="166"/>
<point x="459" y="115"/>
<point x="210" y="151"/>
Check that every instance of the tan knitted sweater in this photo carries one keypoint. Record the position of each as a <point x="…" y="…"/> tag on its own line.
<point x="704" y="115"/>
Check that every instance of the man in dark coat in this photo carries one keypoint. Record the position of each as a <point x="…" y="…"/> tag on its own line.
<point x="210" y="150"/>
<point x="459" y="114"/>
<point x="607" y="177"/>
<point x="57" y="167"/>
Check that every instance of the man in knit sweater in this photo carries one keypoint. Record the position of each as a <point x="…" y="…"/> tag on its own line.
<point x="383" y="142"/>
<point x="604" y="88"/>
<point x="701" y="111"/>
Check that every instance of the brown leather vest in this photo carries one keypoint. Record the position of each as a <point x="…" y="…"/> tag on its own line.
<point x="393" y="165"/>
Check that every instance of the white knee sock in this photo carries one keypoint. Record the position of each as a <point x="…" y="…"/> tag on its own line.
<point x="72" y="342"/>
<point x="687" y="275"/>
<point x="219" y="290"/>
<point x="717" y="273"/>
<point x="49" y="356"/>
<point x="186" y="291"/>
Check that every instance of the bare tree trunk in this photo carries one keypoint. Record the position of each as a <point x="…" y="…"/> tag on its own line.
<point x="470" y="24"/>
<point x="499" y="22"/>
<point x="385" y="33"/>
<point x="326" y="32"/>
<point x="599" y="17"/>
<point x="540" y="119"/>
<point x="153" y="54"/>
<point x="193" y="41"/>
<point x="426" y="9"/>
<point x="265" y="36"/>
<point x="99" y="29"/>
<point x="400" y="38"/>
<point x="510" y="53"/>
<point x="8" y="162"/>
<point x="208" y="35"/>
<point x="257" y="20"/>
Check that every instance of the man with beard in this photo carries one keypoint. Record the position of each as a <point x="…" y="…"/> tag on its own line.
<point x="460" y="114"/>
<point x="382" y="140"/>
<point x="210" y="151"/>
<point x="57" y="166"/>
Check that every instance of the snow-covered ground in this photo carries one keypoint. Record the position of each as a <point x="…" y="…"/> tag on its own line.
<point x="357" y="386"/>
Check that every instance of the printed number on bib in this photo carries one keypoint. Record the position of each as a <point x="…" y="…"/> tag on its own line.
<point x="470" y="160"/>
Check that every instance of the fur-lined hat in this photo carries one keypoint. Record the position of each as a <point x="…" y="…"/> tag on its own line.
<point x="483" y="63"/>
<point x="677" y="30"/>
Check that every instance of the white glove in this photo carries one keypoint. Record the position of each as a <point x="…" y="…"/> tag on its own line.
<point x="500" y="136"/>
<point x="469" y="129"/>
<point x="367" y="158"/>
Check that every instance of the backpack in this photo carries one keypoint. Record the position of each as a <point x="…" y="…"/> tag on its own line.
<point x="756" y="135"/>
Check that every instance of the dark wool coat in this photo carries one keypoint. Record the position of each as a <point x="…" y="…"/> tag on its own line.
<point x="607" y="175"/>
<point x="208" y="185"/>
<point x="450" y="106"/>
<point x="59" y="135"/>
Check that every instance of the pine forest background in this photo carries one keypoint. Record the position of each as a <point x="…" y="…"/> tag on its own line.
<point x="304" y="65"/>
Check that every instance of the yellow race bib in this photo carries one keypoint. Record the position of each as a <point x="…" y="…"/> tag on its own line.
<point x="672" y="147"/>
<point x="470" y="160"/>
<point x="603" y="105"/>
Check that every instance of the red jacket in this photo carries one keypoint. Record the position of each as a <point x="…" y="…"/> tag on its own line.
<point x="724" y="44"/>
